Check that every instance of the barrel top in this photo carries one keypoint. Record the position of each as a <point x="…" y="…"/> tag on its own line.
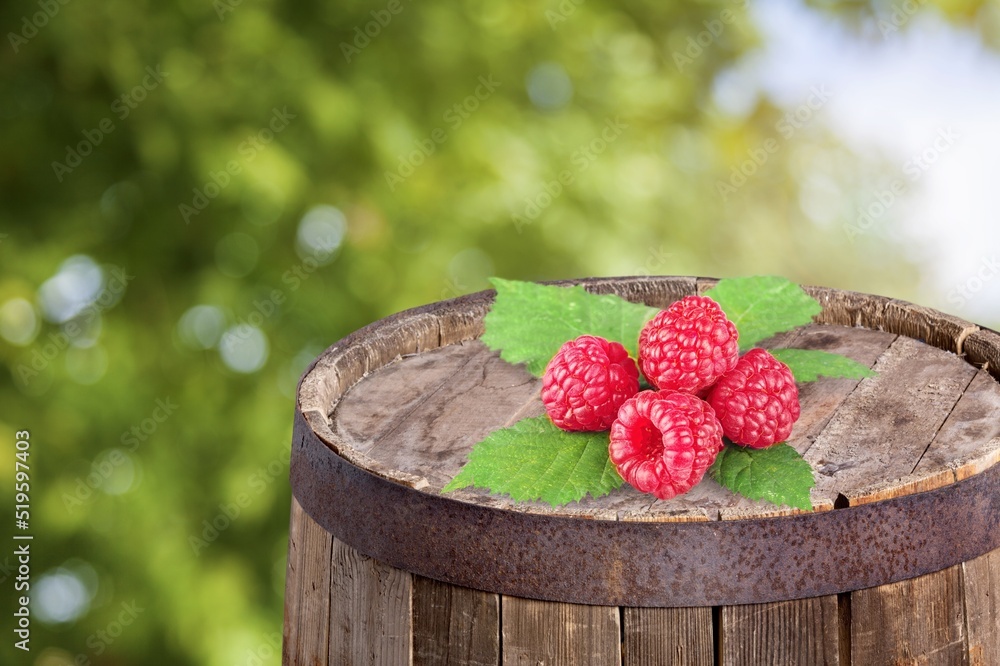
<point x="408" y="397"/>
<point x="904" y="462"/>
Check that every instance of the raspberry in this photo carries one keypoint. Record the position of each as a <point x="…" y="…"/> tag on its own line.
<point x="758" y="401"/>
<point x="688" y="346"/>
<point x="586" y="382"/>
<point x="664" y="441"/>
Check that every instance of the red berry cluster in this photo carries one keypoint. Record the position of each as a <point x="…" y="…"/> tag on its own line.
<point x="664" y="440"/>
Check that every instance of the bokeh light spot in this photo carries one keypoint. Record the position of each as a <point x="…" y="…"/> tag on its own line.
<point x="76" y="285"/>
<point x="320" y="233"/>
<point x="548" y="86"/>
<point x="18" y="323"/>
<point x="60" y="597"/>
<point x="117" y="470"/>
<point x="201" y="326"/>
<point x="244" y="348"/>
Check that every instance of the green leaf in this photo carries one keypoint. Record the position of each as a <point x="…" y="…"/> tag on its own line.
<point x="533" y="459"/>
<point x="762" y="306"/>
<point x="778" y="474"/>
<point x="529" y="322"/>
<point x="808" y="365"/>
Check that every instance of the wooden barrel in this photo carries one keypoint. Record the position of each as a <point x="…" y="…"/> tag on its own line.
<point x="898" y="564"/>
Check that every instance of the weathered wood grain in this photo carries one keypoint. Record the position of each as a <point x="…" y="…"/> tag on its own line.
<point x="978" y="461"/>
<point x="454" y="396"/>
<point x="413" y="418"/>
<point x="918" y="621"/>
<point x="821" y="399"/>
<point x="849" y="308"/>
<point x="668" y="637"/>
<point x="785" y="633"/>
<point x="974" y="421"/>
<point x="981" y="577"/>
<point x="454" y="626"/>
<point x="546" y="632"/>
<point x="307" y="591"/>
<point x="983" y="349"/>
<point x="651" y="290"/>
<point x="883" y="428"/>
<point x="370" y="611"/>
<point x="936" y="328"/>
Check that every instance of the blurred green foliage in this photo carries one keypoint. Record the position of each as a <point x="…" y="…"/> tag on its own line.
<point x="428" y="153"/>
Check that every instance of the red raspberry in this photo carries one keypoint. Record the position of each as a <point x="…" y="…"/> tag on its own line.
<point x="586" y="382"/>
<point x="758" y="401"/>
<point x="664" y="441"/>
<point x="688" y="346"/>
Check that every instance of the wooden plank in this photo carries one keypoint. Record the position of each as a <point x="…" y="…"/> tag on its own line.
<point x="883" y="428"/>
<point x="966" y="440"/>
<point x="849" y="308"/>
<point x="978" y="461"/>
<point x="784" y="633"/>
<point x="654" y="291"/>
<point x="454" y="626"/>
<point x="374" y="408"/>
<point x="821" y="399"/>
<point x="896" y="487"/>
<point x="307" y="591"/>
<point x="938" y="329"/>
<point x="981" y="577"/>
<point x="464" y="389"/>
<point x="545" y="632"/>
<point x="917" y="621"/>
<point x="370" y="614"/>
<point x="973" y="422"/>
<point x="461" y="319"/>
<point x="983" y="348"/>
<point x="668" y="637"/>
